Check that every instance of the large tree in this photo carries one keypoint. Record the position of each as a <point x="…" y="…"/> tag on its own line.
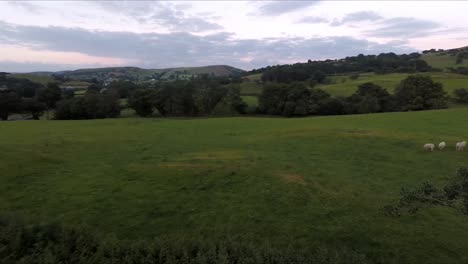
<point x="50" y="95"/>
<point x="9" y="102"/>
<point x="420" y="92"/>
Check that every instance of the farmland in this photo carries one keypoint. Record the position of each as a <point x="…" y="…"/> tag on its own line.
<point x="320" y="180"/>
<point x="343" y="85"/>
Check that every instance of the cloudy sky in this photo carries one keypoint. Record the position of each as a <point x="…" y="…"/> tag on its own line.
<point x="56" y="35"/>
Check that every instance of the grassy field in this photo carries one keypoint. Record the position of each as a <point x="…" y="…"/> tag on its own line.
<point x="344" y="86"/>
<point x="311" y="180"/>
<point x="442" y="61"/>
<point x="42" y="79"/>
<point x="250" y="100"/>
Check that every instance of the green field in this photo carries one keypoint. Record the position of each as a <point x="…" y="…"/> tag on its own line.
<point x="42" y="79"/>
<point x="443" y="60"/>
<point x="250" y="100"/>
<point x="310" y="180"/>
<point x="344" y="86"/>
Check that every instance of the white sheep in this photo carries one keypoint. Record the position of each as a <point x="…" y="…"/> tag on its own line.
<point x="442" y="145"/>
<point x="429" y="147"/>
<point x="460" y="146"/>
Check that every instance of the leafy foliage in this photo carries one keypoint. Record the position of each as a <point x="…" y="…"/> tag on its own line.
<point x="90" y="106"/>
<point x="188" y="98"/>
<point x="9" y="102"/>
<point x="419" y="92"/>
<point x="25" y="243"/>
<point x="454" y="194"/>
<point x="461" y="95"/>
<point x="317" y="70"/>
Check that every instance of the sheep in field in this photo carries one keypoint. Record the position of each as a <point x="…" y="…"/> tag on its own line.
<point x="442" y="145"/>
<point x="460" y="146"/>
<point x="429" y="147"/>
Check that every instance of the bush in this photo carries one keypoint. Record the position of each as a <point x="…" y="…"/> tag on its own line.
<point x="89" y="106"/>
<point x="22" y="242"/>
<point x="419" y="92"/>
<point x="461" y="95"/>
<point x="34" y="107"/>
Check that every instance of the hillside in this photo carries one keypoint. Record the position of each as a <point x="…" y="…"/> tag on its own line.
<point x="343" y="85"/>
<point x="446" y="58"/>
<point x="139" y="74"/>
<point x="321" y="180"/>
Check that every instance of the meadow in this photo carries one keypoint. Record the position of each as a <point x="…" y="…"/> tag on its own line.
<point x="317" y="180"/>
<point x="442" y="60"/>
<point x="345" y="86"/>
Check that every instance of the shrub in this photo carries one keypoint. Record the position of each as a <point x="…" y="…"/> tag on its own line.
<point x="419" y="92"/>
<point x="461" y="95"/>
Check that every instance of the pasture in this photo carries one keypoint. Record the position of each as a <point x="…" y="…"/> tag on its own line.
<point x="318" y="180"/>
<point x="443" y="60"/>
<point x="344" y="86"/>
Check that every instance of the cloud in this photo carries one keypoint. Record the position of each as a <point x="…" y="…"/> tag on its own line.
<point x="404" y="27"/>
<point x="312" y="20"/>
<point x="28" y="6"/>
<point x="157" y="50"/>
<point x="356" y="17"/>
<point x="178" y="21"/>
<point x="13" y="66"/>
<point x="283" y="7"/>
<point x="169" y="16"/>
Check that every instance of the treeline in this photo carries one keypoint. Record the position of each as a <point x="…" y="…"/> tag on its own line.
<point x="200" y="96"/>
<point x="32" y="243"/>
<point x="188" y="98"/>
<point x="317" y="70"/>
<point x="417" y="92"/>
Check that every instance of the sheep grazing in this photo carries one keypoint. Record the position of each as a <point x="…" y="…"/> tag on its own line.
<point x="460" y="146"/>
<point x="442" y="145"/>
<point x="429" y="147"/>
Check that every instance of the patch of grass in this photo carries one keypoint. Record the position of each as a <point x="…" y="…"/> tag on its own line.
<point x="437" y="60"/>
<point x="250" y="88"/>
<point x="344" y="86"/>
<point x="250" y="100"/>
<point x="42" y="79"/>
<point x="311" y="180"/>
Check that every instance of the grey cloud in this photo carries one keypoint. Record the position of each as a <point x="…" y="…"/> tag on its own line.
<point x="282" y="7"/>
<point x="312" y="20"/>
<point x="13" y="67"/>
<point x="163" y="14"/>
<point x="28" y="6"/>
<point x="404" y="27"/>
<point x="177" y="21"/>
<point x="357" y="17"/>
<point x="155" y="50"/>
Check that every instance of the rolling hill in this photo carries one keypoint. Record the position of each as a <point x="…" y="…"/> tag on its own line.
<point x="444" y="59"/>
<point x="139" y="74"/>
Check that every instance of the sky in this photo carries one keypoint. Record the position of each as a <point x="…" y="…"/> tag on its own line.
<point x="66" y="35"/>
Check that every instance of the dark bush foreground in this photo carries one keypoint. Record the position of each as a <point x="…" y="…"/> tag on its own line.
<point x="53" y="243"/>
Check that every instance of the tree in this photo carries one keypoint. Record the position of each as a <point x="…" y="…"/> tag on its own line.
<point x="89" y="106"/>
<point x="317" y="97"/>
<point x="9" y="102"/>
<point x="419" y="92"/>
<point x="34" y="107"/>
<point x="297" y="101"/>
<point x="142" y="102"/>
<point x="273" y="98"/>
<point x="461" y="95"/>
<point x="50" y="95"/>
<point x="370" y="98"/>
<point x="94" y="88"/>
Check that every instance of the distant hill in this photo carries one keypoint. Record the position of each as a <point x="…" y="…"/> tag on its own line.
<point x="139" y="74"/>
<point x="443" y="59"/>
